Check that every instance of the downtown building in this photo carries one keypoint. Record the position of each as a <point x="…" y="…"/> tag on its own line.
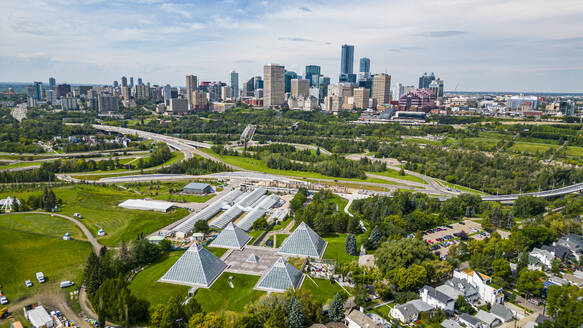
<point x="381" y="91"/>
<point x="273" y="86"/>
<point x="191" y="84"/>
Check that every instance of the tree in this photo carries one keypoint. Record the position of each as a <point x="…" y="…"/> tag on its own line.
<point x="375" y="236"/>
<point x="350" y="245"/>
<point x="209" y="320"/>
<point x="360" y="294"/>
<point x="463" y="306"/>
<point x="529" y="282"/>
<point x="400" y="253"/>
<point x="336" y="308"/>
<point x="501" y="268"/>
<point x="528" y="206"/>
<point x="522" y="261"/>
<point x="201" y="226"/>
<point x="556" y="266"/>
<point x="453" y="208"/>
<point x="295" y="314"/>
<point x="410" y="278"/>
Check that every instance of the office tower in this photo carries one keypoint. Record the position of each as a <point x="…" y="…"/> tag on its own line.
<point x="425" y="80"/>
<point x="115" y="84"/>
<point x="63" y="90"/>
<point x="234" y="84"/>
<point x="131" y="82"/>
<point x="124" y="81"/>
<point x="225" y="92"/>
<point x="107" y="104"/>
<point x="52" y="83"/>
<point x="381" y="91"/>
<point x="346" y="63"/>
<point x="300" y="87"/>
<point x="178" y="105"/>
<point x="191" y="84"/>
<point x="258" y="82"/>
<point x="38" y="92"/>
<point x="142" y="91"/>
<point x="361" y="96"/>
<point x="200" y="100"/>
<point x="139" y="81"/>
<point x="324" y="83"/>
<point x="250" y="87"/>
<point x="167" y="93"/>
<point x="273" y="86"/>
<point x="69" y="103"/>
<point x="83" y="89"/>
<point x="288" y="76"/>
<point x="440" y="85"/>
<point x="364" y="65"/>
<point x="313" y="75"/>
<point x="125" y="93"/>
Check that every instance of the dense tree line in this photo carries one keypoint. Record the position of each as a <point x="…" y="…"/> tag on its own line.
<point x="195" y="166"/>
<point x="493" y="174"/>
<point x="159" y="156"/>
<point x="34" y="175"/>
<point x="324" y="217"/>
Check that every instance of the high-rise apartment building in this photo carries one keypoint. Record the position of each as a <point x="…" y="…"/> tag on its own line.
<point x="107" y="104"/>
<point x="250" y="87"/>
<point x="178" y="105"/>
<point x="167" y="93"/>
<point x="125" y="93"/>
<point x="381" y="91"/>
<point x="115" y="84"/>
<point x="313" y="75"/>
<point x="258" y="83"/>
<point x="300" y="87"/>
<point x="142" y="91"/>
<point x="273" y="86"/>
<point x="139" y="81"/>
<point x="51" y="96"/>
<point x="131" y="82"/>
<point x="191" y="84"/>
<point x="361" y="96"/>
<point x="234" y="85"/>
<point x="52" y="83"/>
<point x="364" y="65"/>
<point x="324" y="83"/>
<point x="38" y="91"/>
<point x="69" y="103"/>
<point x="124" y="81"/>
<point x="347" y="63"/>
<point x="63" y="90"/>
<point x="288" y="76"/>
<point x="200" y="100"/>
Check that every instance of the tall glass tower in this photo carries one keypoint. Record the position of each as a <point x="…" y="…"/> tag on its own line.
<point x="346" y="61"/>
<point x="364" y="65"/>
<point x="313" y="75"/>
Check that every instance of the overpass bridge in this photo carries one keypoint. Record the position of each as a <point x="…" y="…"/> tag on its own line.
<point x="578" y="187"/>
<point x="172" y="141"/>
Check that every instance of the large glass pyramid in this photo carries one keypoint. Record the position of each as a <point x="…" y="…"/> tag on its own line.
<point x="280" y="277"/>
<point x="196" y="267"/>
<point x="303" y="242"/>
<point x="231" y="237"/>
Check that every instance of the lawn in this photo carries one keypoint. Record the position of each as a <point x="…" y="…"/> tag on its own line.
<point x="324" y="291"/>
<point x="217" y="251"/>
<point x="221" y="297"/>
<point x="98" y="205"/>
<point x="168" y="191"/>
<point x="254" y="235"/>
<point x="335" y="249"/>
<point x="390" y="173"/>
<point x="25" y="253"/>
<point x="531" y="147"/>
<point x="41" y="224"/>
<point x="145" y="284"/>
<point x="340" y="202"/>
<point x="279" y="239"/>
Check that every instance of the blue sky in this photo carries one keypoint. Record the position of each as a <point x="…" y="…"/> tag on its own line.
<point x="482" y="45"/>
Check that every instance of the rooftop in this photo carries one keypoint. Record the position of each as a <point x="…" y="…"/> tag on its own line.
<point x="197" y="267"/>
<point x="280" y="277"/>
<point x="303" y="242"/>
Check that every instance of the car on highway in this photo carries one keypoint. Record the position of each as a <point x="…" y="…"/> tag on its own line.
<point x="28" y="283"/>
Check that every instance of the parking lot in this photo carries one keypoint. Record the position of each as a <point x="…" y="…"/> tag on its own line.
<point x="441" y="238"/>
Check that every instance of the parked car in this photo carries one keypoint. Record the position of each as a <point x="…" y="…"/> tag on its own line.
<point x="65" y="284"/>
<point x="28" y="283"/>
<point x="40" y="277"/>
<point x="3" y="300"/>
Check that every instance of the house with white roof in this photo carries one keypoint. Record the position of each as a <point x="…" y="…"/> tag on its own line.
<point x="489" y="292"/>
<point x="436" y="298"/>
<point x="543" y="256"/>
<point x="470" y="321"/>
<point x="488" y="319"/>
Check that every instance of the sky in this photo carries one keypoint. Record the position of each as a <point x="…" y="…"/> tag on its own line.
<point x="473" y="45"/>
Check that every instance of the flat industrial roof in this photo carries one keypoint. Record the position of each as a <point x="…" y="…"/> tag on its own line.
<point x="142" y="204"/>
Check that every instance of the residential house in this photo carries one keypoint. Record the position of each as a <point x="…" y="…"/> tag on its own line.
<point x="468" y="290"/>
<point x="409" y="311"/>
<point x="489" y="292"/>
<point x="561" y="252"/>
<point x="543" y="256"/>
<point x="488" y="319"/>
<point x="448" y="323"/>
<point x="436" y="298"/>
<point x="470" y="321"/>
<point x="573" y="242"/>
<point x="357" y="319"/>
<point x="501" y="312"/>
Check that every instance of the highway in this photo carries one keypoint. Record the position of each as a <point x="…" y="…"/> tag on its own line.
<point x="190" y="147"/>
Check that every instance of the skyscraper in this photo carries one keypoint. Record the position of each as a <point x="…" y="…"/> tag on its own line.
<point x="131" y="82"/>
<point x="288" y="76"/>
<point x="425" y="80"/>
<point x="52" y="83"/>
<point x="125" y="93"/>
<point x="381" y="91"/>
<point x="346" y="62"/>
<point x="250" y="87"/>
<point x="226" y="92"/>
<point x="167" y="93"/>
<point x="365" y="65"/>
<point x="313" y="75"/>
<point x="361" y="96"/>
<point x="258" y="83"/>
<point x="124" y="81"/>
<point x="324" y="83"/>
<point x="234" y="84"/>
<point x="191" y="84"/>
<point x="273" y="86"/>
<point x="139" y="81"/>
<point x="63" y="89"/>
<point x="115" y="84"/>
<point x="38" y="91"/>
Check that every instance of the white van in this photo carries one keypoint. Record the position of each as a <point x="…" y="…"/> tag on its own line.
<point x="65" y="284"/>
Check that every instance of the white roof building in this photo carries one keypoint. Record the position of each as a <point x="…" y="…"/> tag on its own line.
<point x="39" y="317"/>
<point x="146" y="205"/>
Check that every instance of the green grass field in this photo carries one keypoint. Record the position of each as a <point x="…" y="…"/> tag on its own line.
<point x="145" y="284"/>
<point x="531" y="147"/>
<point x="279" y="239"/>
<point x="254" y="235"/>
<point x="41" y="224"/>
<point x="335" y="249"/>
<point x="395" y="175"/>
<point x="217" y="251"/>
<point x="25" y="253"/>
<point x="324" y="291"/>
<point x="168" y="191"/>
<point x="221" y="297"/>
<point x="99" y="207"/>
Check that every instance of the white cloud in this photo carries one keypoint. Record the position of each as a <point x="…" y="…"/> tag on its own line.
<point x="175" y="9"/>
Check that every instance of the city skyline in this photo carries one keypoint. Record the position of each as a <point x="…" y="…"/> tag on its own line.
<point x="488" y="48"/>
